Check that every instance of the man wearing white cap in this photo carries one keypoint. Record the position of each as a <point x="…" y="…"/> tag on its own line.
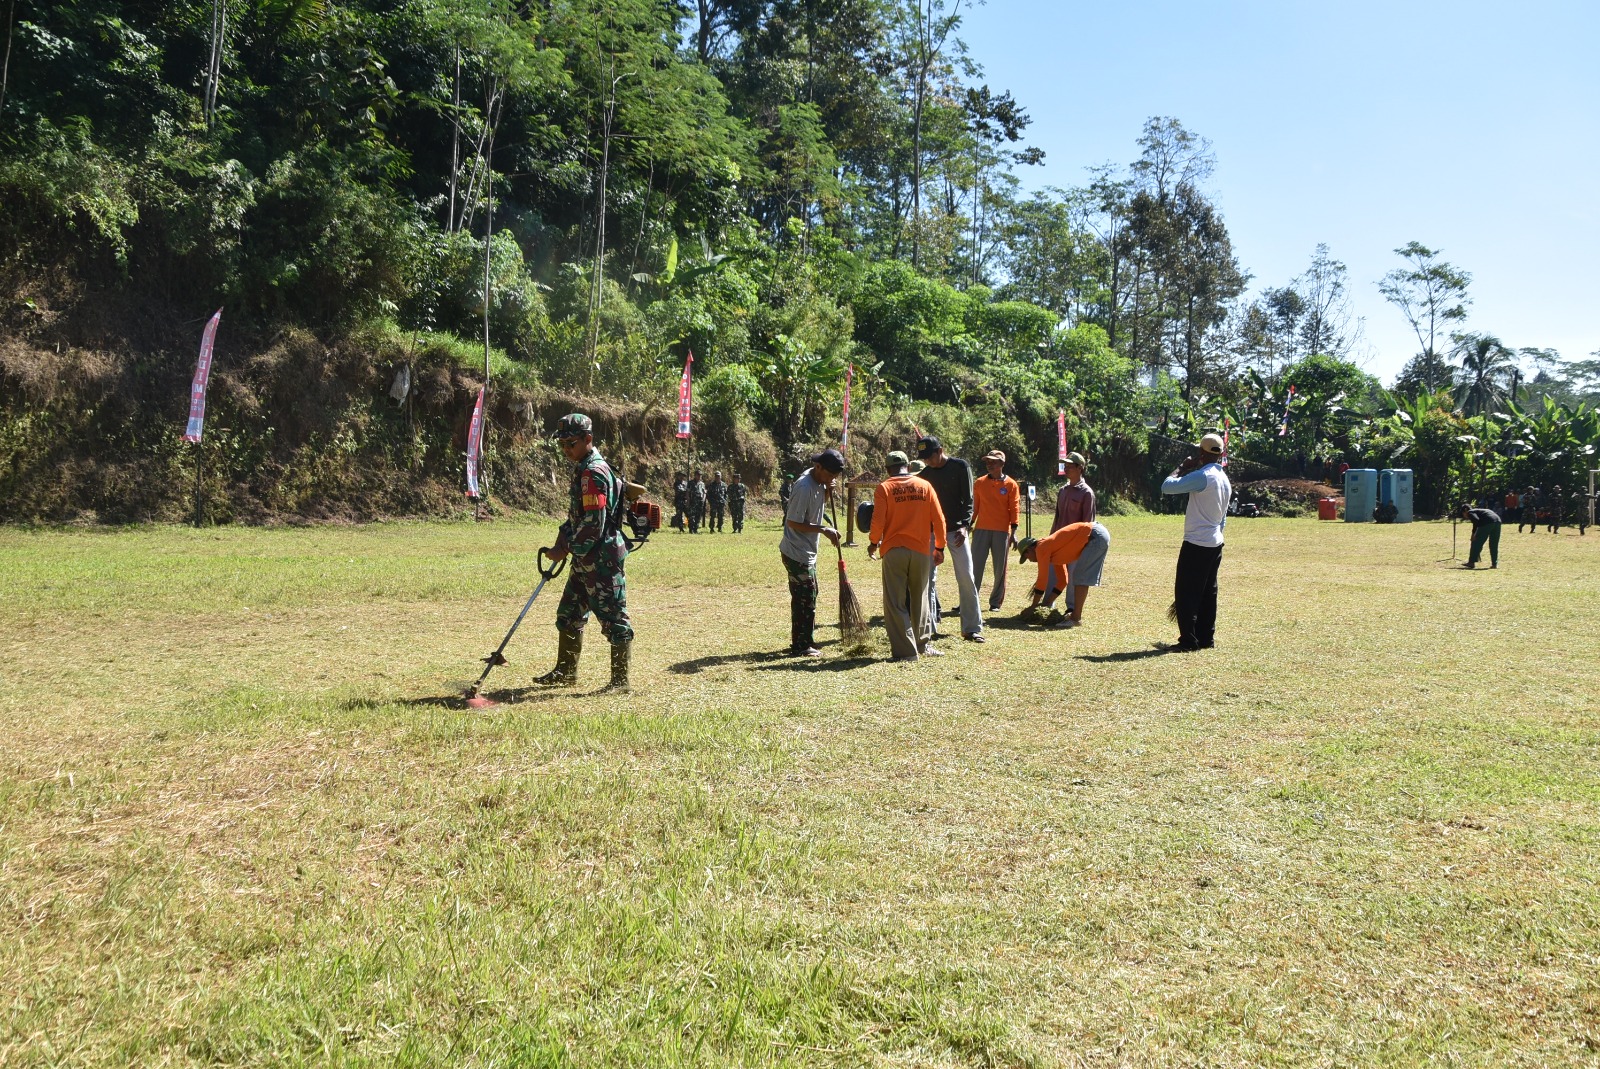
<point x="1194" y="596"/>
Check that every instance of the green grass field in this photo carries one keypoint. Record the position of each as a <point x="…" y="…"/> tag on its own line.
<point x="243" y="822"/>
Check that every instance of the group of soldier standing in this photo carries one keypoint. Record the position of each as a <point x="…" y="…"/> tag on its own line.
<point x="696" y="502"/>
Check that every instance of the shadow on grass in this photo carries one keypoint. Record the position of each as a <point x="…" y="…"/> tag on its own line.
<point x="771" y="661"/>
<point x="819" y="664"/>
<point x="457" y="699"/>
<point x="1128" y="655"/>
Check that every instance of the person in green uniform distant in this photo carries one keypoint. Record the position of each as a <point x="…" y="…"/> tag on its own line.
<point x="1485" y="531"/>
<point x="592" y="535"/>
<point x="717" y="500"/>
<point x="697" y="502"/>
<point x="737" y="492"/>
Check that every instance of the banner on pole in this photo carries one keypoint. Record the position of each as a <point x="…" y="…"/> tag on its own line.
<point x="475" y="445"/>
<point x="1061" y="442"/>
<point x="844" y="439"/>
<point x="685" y="397"/>
<point x="1283" y="425"/>
<point x="202" y="376"/>
<point x="1224" y="462"/>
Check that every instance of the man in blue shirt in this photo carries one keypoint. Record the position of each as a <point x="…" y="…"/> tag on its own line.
<point x="1194" y="594"/>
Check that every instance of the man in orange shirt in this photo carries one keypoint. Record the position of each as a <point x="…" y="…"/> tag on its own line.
<point x="996" y="503"/>
<point x="906" y="519"/>
<point x="1082" y="544"/>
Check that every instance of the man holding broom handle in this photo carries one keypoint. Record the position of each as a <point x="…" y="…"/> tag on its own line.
<point x="905" y="516"/>
<point x="802" y="523"/>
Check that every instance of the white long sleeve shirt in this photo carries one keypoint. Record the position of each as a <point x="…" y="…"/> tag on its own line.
<point x="1209" y="491"/>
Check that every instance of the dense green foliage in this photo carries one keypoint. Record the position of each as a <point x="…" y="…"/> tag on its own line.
<point x="587" y="192"/>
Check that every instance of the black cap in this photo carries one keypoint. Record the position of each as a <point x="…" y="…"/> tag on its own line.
<point x="831" y="459"/>
<point x="928" y="446"/>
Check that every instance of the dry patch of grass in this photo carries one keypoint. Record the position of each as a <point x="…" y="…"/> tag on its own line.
<point x="243" y="823"/>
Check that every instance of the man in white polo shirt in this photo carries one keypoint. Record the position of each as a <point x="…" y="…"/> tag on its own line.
<point x="1195" y="589"/>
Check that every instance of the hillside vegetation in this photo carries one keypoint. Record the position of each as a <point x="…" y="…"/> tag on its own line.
<point x="392" y="201"/>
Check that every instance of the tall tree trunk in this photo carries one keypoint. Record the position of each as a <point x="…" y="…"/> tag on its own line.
<point x="455" y="146"/>
<point x="5" y="67"/>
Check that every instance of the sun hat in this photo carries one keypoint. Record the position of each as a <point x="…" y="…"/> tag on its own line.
<point x="995" y="454"/>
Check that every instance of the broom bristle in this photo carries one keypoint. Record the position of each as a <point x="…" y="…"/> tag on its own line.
<point x="852" y="621"/>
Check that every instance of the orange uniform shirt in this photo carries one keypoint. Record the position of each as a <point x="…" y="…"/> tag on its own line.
<point x="906" y="514"/>
<point x="998" y="503"/>
<point x="1058" y="549"/>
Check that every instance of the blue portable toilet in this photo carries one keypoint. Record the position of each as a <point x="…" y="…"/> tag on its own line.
<point x="1395" y="488"/>
<point x="1360" y="494"/>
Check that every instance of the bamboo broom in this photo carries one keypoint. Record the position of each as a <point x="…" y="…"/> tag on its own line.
<point x="853" y="632"/>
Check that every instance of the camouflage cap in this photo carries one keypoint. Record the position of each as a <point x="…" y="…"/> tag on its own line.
<point x="575" y="425"/>
<point x="1023" y="545"/>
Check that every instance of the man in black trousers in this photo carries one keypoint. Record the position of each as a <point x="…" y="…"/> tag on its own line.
<point x="1200" y="558"/>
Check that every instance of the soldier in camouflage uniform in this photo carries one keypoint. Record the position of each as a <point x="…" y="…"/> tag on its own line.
<point x="717" y="499"/>
<point x="697" y="502"/>
<point x="737" y="492"/>
<point x="593" y="536"/>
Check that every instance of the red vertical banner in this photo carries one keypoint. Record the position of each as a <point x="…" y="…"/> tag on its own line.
<point x="202" y="376"/>
<point x="1224" y="441"/>
<point x="1283" y="426"/>
<point x="685" y="397"/>
<point x="475" y="445"/>
<point x="844" y="439"/>
<point x="1061" y="442"/>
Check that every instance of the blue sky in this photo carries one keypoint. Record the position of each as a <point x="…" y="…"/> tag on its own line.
<point x="1473" y="128"/>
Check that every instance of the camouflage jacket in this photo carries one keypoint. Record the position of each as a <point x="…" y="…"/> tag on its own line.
<point x="737" y="492"/>
<point x="595" y="495"/>
<point x="717" y="493"/>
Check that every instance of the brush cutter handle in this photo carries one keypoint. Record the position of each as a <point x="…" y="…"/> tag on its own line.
<point x="554" y="568"/>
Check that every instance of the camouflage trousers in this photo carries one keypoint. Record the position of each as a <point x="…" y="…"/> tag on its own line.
<point x="736" y="514"/>
<point x="802" y="603"/>
<point x="599" y="585"/>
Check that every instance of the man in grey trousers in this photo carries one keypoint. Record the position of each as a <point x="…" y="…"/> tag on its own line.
<point x="951" y="479"/>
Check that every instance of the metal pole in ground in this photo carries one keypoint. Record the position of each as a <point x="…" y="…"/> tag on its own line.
<point x="199" y="488"/>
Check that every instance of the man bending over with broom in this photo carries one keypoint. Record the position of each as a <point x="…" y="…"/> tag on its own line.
<point x="905" y="515"/>
<point x="802" y="523"/>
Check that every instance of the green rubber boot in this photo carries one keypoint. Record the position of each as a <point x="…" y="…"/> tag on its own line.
<point x="565" y="673"/>
<point x="619" y="668"/>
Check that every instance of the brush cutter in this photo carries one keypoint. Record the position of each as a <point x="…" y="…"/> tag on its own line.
<point x="547" y="572"/>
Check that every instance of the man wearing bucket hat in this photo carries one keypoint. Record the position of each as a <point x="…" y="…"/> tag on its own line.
<point x="802" y="524"/>
<point x="1080" y="545"/>
<point x="996" y="506"/>
<point x="594" y="539"/>
<point x="1194" y="589"/>
<point x="906" y="520"/>
<point x="1074" y="504"/>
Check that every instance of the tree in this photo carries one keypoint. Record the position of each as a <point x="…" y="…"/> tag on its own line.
<point x="1431" y="294"/>
<point x="1487" y="368"/>
<point x="1327" y="324"/>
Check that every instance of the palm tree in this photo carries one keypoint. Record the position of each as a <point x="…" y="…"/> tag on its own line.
<point x="1487" y="367"/>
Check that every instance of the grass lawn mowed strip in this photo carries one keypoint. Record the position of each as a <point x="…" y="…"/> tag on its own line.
<point x="245" y="819"/>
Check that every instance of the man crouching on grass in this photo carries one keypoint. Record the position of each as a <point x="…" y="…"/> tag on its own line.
<point x="1081" y="544"/>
